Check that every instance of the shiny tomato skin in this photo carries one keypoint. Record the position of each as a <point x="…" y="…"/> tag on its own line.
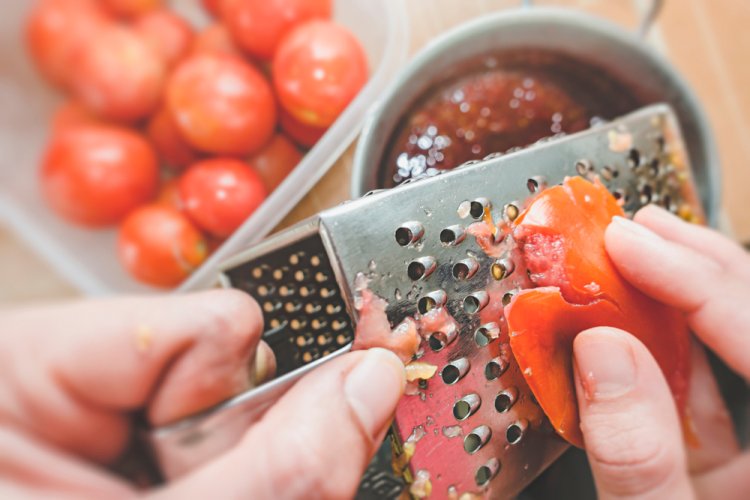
<point x="561" y="240"/>
<point x="220" y="194"/>
<point x="167" y="33"/>
<point x="119" y="77"/>
<point x="301" y="133"/>
<point x="318" y="69"/>
<point x="215" y="39"/>
<point x="130" y="9"/>
<point x="221" y="104"/>
<point x="54" y="31"/>
<point x="275" y="161"/>
<point x="94" y="175"/>
<point x="172" y="148"/>
<point x="159" y="245"/>
<point x="258" y="26"/>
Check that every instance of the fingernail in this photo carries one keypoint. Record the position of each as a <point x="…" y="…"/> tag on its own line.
<point x="374" y="387"/>
<point x="634" y="228"/>
<point x="605" y="365"/>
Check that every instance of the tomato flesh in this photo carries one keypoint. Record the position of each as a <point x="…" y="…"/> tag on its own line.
<point x="561" y="240"/>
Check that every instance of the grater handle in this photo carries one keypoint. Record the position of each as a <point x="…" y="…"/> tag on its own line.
<point x="182" y="446"/>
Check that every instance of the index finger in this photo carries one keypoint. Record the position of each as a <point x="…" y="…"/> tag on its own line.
<point x="714" y="300"/>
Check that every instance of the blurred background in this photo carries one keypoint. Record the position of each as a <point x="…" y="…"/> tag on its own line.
<point x="706" y="40"/>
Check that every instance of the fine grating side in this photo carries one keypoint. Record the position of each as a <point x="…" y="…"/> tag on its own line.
<point x="473" y="428"/>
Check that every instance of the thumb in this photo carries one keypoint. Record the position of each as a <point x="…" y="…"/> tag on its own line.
<point x="629" y="421"/>
<point x="315" y="442"/>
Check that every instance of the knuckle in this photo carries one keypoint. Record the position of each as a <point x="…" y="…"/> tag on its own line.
<point x="629" y="457"/>
<point x="237" y="314"/>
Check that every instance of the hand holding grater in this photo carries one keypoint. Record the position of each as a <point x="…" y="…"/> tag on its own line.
<point x="474" y="428"/>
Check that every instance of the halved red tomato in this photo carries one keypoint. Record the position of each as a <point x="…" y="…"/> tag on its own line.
<point x="561" y="239"/>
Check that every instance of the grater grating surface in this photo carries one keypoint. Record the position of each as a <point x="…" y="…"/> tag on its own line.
<point x="473" y="428"/>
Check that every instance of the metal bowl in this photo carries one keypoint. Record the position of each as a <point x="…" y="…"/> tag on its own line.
<point x="596" y="47"/>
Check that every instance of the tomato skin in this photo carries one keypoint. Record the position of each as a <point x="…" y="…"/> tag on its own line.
<point x="119" y="77"/>
<point x="258" y="26"/>
<point x="213" y="7"/>
<point x="221" y="104"/>
<point x="54" y="31"/>
<point x="169" y="194"/>
<point x="71" y="114"/>
<point x="172" y="148"/>
<point x="318" y="69"/>
<point x="169" y="35"/>
<point x="158" y="245"/>
<point x="131" y="8"/>
<point x="215" y="39"/>
<point x="301" y="133"/>
<point x="220" y="193"/>
<point x="561" y="239"/>
<point x="275" y="161"/>
<point x="94" y="175"/>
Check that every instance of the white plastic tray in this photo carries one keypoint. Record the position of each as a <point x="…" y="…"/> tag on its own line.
<point x="88" y="258"/>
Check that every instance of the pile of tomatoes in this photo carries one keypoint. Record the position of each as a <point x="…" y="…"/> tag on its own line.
<point x="176" y="134"/>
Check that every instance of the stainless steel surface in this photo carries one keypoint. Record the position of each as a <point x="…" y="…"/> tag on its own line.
<point x="595" y="42"/>
<point x="502" y="440"/>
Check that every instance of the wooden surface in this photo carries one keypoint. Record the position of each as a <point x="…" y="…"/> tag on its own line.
<point x="707" y="40"/>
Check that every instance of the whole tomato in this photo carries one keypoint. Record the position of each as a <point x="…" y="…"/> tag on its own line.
<point x="215" y="39"/>
<point x="318" y="69"/>
<point x="221" y="104"/>
<point x="55" y="29"/>
<point x="94" y="175"/>
<point x="303" y="134"/>
<point x="158" y="245"/>
<point x="118" y="76"/>
<point x="274" y="162"/>
<point x="131" y="8"/>
<point x="259" y="25"/>
<point x="219" y="194"/>
<point x="172" y="148"/>
<point x="169" y="194"/>
<point x="167" y="33"/>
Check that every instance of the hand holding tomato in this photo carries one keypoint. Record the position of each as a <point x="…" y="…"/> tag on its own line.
<point x="630" y="425"/>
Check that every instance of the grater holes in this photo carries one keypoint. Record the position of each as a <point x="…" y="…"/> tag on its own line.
<point x="286" y="290"/>
<point x="608" y="173"/>
<point x="654" y="166"/>
<point x="306" y="290"/>
<point x="502" y="269"/>
<point x="452" y="235"/>
<point x="323" y="339"/>
<point x="297" y="324"/>
<point x="292" y="307"/>
<point x="511" y="211"/>
<point x="455" y="371"/>
<point x="318" y="323"/>
<point x="421" y="268"/>
<point x="327" y="292"/>
<point x="584" y="167"/>
<point x="431" y="301"/>
<point x="477" y="438"/>
<point x="270" y="306"/>
<point x="536" y="184"/>
<point x="294" y="259"/>
<point x="634" y="158"/>
<point x="437" y="341"/>
<point x="495" y="368"/>
<point x="315" y="260"/>
<point x="465" y="269"/>
<point x="478" y="207"/>
<point x="339" y="324"/>
<point x="342" y="339"/>
<point x="466" y="406"/>
<point x="409" y="233"/>
<point x="516" y="431"/>
<point x="303" y="340"/>
<point x="300" y="275"/>
<point x="475" y="302"/>
<point x="312" y="307"/>
<point x="507" y="297"/>
<point x="333" y="308"/>
<point x="647" y="193"/>
<point x="505" y="400"/>
<point x="486" y="472"/>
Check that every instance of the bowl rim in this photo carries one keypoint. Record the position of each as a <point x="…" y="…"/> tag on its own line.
<point x="538" y="17"/>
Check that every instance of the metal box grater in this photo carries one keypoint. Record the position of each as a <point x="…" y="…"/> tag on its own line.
<point x="474" y="428"/>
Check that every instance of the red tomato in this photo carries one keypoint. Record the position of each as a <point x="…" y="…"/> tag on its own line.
<point x="131" y="8"/>
<point x="159" y="245"/>
<point x="55" y="29"/>
<point x="215" y="39"/>
<point x="119" y="76"/>
<point x="167" y="33"/>
<point x="219" y="194"/>
<point x="169" y="194"/>
<point x="561" y="239"/>
<point x="318" y="69"/>
<point x="274" y="162"/>
<point x="221" y="104"/>
<point x="71" y="114"/>
<point x="303" y="134"/>
<point x="94" y="175"/>
<point x="174" y="151"/>
<point x="259" y="25"/>
<point x="213" y="7"/>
